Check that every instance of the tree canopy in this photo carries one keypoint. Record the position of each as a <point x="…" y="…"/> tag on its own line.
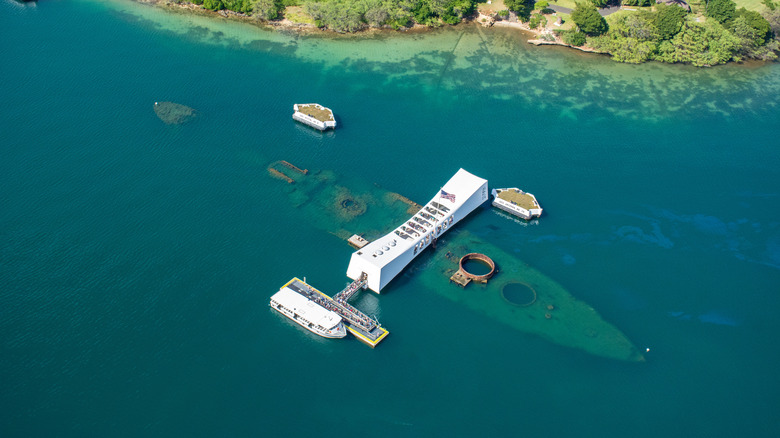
<point x="588" y="19"/>
<point x="523" y="8"/>
<point x="701" y="44"/>
<point x="757" y="22"/>
<point x="665" y="33"/>
<point x="669" y="20"/>
<point x="721" y="10"/>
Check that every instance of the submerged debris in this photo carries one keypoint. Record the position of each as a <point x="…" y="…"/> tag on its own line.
<point x="174" y="113"/>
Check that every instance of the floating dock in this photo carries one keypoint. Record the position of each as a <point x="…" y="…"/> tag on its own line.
<point x="314" y="115"/>
<point x="365" y="328"/>
<point x="375" y="264"/>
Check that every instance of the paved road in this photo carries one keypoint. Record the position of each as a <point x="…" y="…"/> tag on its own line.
<point x="604" y="12"/>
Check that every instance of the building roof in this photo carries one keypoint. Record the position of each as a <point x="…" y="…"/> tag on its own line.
<point x="382" y="251"/>
<point x="306" y="308"/>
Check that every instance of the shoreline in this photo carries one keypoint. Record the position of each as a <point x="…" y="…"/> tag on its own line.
<point x="285" y="25"/>
<point x="477" y="18"/>
<point x="278" y="25"/>
<point x="306" y="28"/>
<point x="540" y="42"/>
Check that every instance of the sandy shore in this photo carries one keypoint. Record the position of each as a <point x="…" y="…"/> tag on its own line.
<point x="537" y="41"/>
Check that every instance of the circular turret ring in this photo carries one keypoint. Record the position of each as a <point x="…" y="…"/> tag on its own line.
<point x="482" y="258"/>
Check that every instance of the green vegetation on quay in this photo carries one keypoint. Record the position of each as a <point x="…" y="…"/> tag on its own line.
<point x="701" y="32"/>
<point x="354" y="15"/>
<point x="713" y="33"/>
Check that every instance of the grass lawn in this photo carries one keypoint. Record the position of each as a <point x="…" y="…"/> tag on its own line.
<point x="698" y="6"/>
<point x="751" y="5"/>
<point x="567" y="23"/>
<point x="564" y="3"/>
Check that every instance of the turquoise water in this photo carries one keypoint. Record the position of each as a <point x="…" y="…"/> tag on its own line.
<point x="136" y="258"/>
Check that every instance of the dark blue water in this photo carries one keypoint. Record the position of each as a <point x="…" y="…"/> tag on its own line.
<point x="137" y="258"/>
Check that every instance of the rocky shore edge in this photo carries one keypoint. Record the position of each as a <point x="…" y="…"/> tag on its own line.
<point x="305" y="28"/>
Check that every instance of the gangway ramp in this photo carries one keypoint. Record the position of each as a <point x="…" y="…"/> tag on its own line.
<point x="363" y="327"/>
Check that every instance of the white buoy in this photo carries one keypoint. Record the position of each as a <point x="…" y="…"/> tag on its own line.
<point x="647" y="350"/>
<point x="155" y="103"/>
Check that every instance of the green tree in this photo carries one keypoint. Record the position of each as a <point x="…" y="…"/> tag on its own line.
<point x="338" y="15"/>
<point x="721" y="10"/>
<point x="214" y="5"/>
<point x="265" y="9"/>
<point x="754" y="20"/>
<point x="773" y="17"/>
<point x="701" y="44"/>
<point x="535" y="21"/>
<point x="574" y="38"/>
<point x="635" y="26"/>
<point x="587" y="18"/>
<point x="523" y="8"/>
<point x="423" y="13"/>
<point x="377" y="15"/>
<point x="751" y="41"/>
<point x="638" y="2"/>
<point x="669" y="20"/>
<point x="632" y="50"/>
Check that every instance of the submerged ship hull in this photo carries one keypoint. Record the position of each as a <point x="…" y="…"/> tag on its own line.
<point x="342" y="208"/>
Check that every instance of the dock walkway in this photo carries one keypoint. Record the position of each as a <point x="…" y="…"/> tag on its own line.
<point x="365" y="328"/>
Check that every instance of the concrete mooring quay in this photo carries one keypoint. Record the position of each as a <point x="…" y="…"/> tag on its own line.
<point x="365" y="328"/>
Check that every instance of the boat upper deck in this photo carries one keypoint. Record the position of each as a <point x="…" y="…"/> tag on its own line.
<point x="306" y="308"/>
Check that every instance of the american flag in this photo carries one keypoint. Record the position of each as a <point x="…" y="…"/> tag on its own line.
<point x="450" y="196"/>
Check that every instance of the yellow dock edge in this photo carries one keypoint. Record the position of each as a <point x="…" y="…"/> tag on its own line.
<point x="307" y="284"/>
<point x="357" y="334"/>
<point x="366" y="340"/>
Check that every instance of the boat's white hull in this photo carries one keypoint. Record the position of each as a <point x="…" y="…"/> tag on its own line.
<point x="311" y="121"/>
<point x="514" y="208"/>
<point x="339" y="331"/>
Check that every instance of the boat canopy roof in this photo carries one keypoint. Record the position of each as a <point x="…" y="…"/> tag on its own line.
<point x="306" y="308"/>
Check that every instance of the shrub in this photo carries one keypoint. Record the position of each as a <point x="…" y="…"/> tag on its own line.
<point x="534" y="22"/>
<point x="542" y="4"/>
<point x="574" y="38"/>
<point x="266" y="9"/>
<point x="638" y="2"/>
